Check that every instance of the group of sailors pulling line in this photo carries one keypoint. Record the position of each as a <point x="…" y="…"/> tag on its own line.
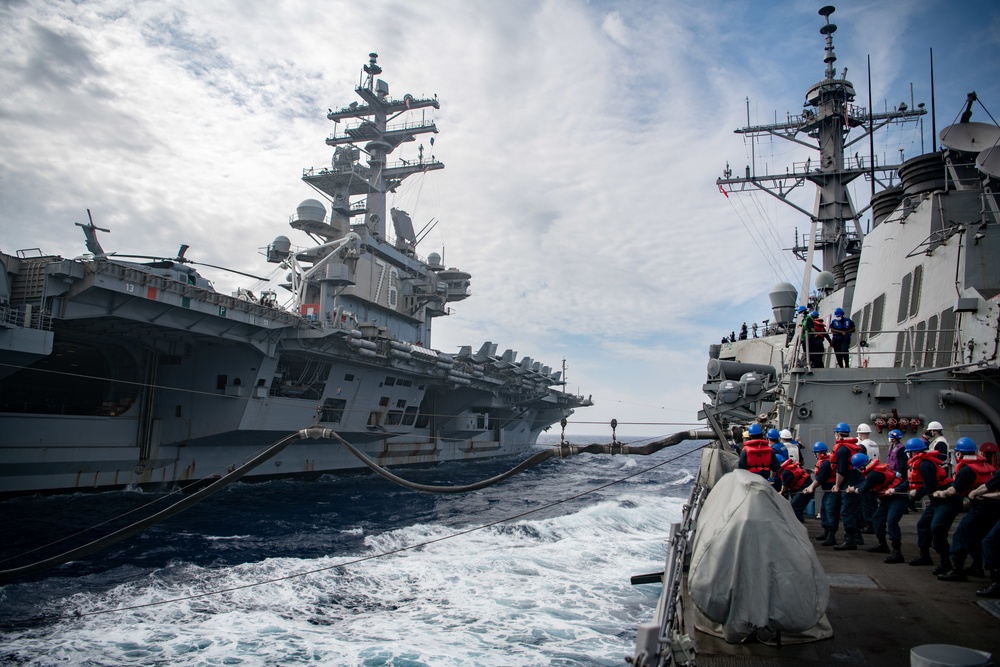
<point x="871" y="496"/>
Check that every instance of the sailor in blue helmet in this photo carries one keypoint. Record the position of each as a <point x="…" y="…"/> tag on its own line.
<point x="756" y="454"/>
<point x="971" y="471"/>
<point x="774" y="439"/>
<point x="824" y="477"/>
<point x="841" y="330"/>
<point x="850" y="504"/>
<point x="779" y="449"/>
<point x="890" y="489"/>
<point x="926" y="475"/>
<point x="896" y="456"/>
<point x="991" y="543"/>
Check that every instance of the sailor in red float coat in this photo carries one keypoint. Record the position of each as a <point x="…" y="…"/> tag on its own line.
<point x="927" y="475"/>
<point x="884" y="482"/>
<point x="794" y="479"/>
<point x="850" y="504"/>
<point x="758" y="457"/>
<point x="824" y="477"/>
<point x="990" y="543"/>
<point x="971" y="472"/>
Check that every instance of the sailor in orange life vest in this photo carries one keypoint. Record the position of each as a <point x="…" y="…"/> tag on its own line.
<point x="794" y="479"/>
<point x="850" y="503"/>
<point x="991" y="543"/>
<point x="757" y="455"/>
<point x="890" y="489"/>
<point x="971" y="471"/>
<point x="926" y="475"/>
<point x="824" y="476"/>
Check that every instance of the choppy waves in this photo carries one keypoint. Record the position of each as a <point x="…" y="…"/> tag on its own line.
<point x="551" y="587"/>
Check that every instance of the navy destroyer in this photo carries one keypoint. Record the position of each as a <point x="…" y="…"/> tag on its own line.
<point x="117" y="372"/>
<point x="917" y="271"/>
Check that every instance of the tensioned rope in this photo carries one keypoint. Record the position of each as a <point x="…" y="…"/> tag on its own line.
<point x="357" y="560"/>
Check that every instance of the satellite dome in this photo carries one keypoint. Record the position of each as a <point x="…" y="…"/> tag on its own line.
<point x="783" y="302"/>
<point x="434" y="260"/>
<point x="310" y="209"/>
<point x="825" y="280"/>
<point x="281" y="244"/>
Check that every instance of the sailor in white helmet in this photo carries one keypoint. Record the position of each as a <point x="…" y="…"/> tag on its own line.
<point x="934" y="436"/>
<point x="864" y="432"/>
<point x="791" y="444"/>
<point x="869" y="501"/>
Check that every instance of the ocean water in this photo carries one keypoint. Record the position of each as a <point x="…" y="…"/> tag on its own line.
<point x="353" y="570"/>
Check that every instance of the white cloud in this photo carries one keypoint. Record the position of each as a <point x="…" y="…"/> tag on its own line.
<point x="582" y="143"/>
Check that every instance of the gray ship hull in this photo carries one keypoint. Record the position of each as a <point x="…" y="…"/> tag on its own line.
<point x="116" y="372"/>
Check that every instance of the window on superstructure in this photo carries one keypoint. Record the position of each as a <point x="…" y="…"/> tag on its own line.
<point x="401" y="403"/>
<point x="918" y="279"/>
<point x="394" y="417"/>
<point x="390" y="381"/>
<point x="410" y="416"/>
<point x="918" y="343"/>
<point x="333" y="410"/>
<point x="865" y="321"/>
<point x="384" y="401"/>
<point x="908" y="348"/>
<point x="946" y="338"/>
<point x="932" y="336"/>
<point x="878" y="307"/>
<point x="904" y="298"/>
<point x="897" y="360"/>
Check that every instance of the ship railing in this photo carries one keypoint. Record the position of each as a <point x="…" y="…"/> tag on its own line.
<point x="144" y="279"/>
<point x="26" y="316"/>
<point x="360" y="170"/>
<point x="664" y="642"/>
<point x="916" y="348"/>
<point x="394" y="127"/>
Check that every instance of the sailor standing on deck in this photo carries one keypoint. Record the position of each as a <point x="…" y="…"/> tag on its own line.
<point x="850" y="504"/>
<point x="896" y="456"/>
<point x="757" y="455"/>
<point x="841" y="329"/>
<point x="794" y="479"/>
<point x="817" y="346"/>
<point x="971" y="472"/>
<point x="934" y="435"/>
<point x="991" y="543"/>
<point x="868" y="500"/>
<point x="791" y="445"/>
<point x="806" y="333"/>
<point x="926" y="475"/>
<point x="890" y="488"/>
<point x="825" y="476"/>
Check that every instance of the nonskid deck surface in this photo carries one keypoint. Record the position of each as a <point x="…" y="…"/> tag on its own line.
<point x="878" y="613"/>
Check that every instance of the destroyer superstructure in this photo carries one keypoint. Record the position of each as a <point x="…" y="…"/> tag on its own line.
<point x="922" y="284"/>
<point x="116" y="372"/>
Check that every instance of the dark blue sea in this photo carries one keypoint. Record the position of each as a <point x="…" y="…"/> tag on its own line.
<point x="354" y="570"/>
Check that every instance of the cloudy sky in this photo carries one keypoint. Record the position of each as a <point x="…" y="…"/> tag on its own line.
<point x="582" y="142"/>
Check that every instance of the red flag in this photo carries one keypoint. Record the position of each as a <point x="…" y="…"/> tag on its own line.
<point x="723" y="191"/>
